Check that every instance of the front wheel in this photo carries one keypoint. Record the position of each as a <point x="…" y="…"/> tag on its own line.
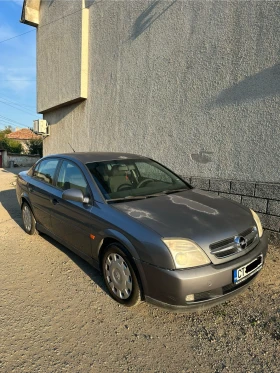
<point x="28" y="219"/>
<point x="120" y="277"/>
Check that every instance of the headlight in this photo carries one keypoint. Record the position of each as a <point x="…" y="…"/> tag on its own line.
<point x="258" y="222"/>
<point x="186" y="254"/>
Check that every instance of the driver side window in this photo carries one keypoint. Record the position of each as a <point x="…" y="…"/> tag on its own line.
<point x="71" y="177"/>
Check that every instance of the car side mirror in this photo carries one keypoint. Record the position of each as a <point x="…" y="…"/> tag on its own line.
<point x="75" y="195"/>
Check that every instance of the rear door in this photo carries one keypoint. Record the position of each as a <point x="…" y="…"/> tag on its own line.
<point x="72" y="221"/>
<point x="41" y="188"/>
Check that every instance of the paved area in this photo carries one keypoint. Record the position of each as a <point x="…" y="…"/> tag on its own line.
<point x="56" y="316"/>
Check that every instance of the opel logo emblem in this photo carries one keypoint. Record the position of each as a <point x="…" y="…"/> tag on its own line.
<point x="240" y="242"/>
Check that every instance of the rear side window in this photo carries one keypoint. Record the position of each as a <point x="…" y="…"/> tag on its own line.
<point x="45" y="170"/>
<point x="71" y="177"/>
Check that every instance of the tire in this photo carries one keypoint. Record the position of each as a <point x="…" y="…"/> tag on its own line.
<point x="28" y="219"/>
<point x="120" y="277"/>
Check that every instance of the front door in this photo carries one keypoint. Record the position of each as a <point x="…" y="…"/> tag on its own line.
<point x="71" y="221"/>
<point x="0" y="158"/>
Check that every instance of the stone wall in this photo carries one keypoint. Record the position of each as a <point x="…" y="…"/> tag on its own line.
<point x="264" y="198"/>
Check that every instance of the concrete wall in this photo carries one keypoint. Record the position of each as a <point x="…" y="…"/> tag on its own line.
<point x="193" y="84"/>
<point x="19" y="160"/>
<point x="62" y="47"/>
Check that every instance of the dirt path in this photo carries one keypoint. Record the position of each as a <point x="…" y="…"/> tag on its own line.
<point x="55" y="316"/>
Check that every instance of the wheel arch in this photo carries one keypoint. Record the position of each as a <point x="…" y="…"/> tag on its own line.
<point x="111" y="236"/>
<point x="114" y="237"/>
<point x="25" y="199"/>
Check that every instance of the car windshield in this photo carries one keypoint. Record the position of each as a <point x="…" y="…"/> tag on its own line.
<point x="134" y="179"/>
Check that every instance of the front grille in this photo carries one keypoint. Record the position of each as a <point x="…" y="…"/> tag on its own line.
<point x="227" y="247"/>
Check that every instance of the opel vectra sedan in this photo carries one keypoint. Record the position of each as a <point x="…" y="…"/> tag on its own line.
<point x="152" y="235"/>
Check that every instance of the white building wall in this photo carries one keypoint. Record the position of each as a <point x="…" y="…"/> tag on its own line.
<point x="193" y="84"/>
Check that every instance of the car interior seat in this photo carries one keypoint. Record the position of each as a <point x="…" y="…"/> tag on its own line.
<point x="118" y="177"/>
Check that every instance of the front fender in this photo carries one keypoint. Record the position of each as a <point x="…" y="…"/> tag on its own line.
<point x="114" y="234"/>
<point x="128" y="246"/>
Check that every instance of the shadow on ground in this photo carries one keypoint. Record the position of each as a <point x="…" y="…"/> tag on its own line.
<point x="8" y="200"/>
<point x="14" y="170"/>
<point x="91" y="272"/>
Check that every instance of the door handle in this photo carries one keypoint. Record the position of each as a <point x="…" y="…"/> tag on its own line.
<point x="31" y="190"/>
<point x="54" y="201"/>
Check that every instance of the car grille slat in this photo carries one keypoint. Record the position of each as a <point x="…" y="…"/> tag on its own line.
<point x="224" y="248"/>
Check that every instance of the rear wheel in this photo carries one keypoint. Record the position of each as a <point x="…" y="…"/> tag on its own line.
<point x="120" y="277"/>
<point x="28" y="219"/>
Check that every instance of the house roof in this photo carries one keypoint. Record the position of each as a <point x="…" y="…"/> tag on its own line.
<point x="23" y="134"/>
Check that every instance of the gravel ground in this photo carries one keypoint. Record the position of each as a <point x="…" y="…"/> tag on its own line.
<point x="56" y="316"/>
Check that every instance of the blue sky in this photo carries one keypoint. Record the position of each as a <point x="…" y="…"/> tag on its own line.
<point x="17" y="68"/>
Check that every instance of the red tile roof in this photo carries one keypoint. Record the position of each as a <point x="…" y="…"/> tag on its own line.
<point x="24" y="134"/>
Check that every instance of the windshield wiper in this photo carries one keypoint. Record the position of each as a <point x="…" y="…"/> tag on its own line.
<point x="175" y="190"/>
<point x="134" y="198"/>
<point x="168" y="191"/>
<point x="127" y="198"/>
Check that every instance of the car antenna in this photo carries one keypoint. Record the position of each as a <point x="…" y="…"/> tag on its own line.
<point x="71" y="147"/>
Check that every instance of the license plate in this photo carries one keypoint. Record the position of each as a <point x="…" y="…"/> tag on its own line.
<point x="242" y="273"/>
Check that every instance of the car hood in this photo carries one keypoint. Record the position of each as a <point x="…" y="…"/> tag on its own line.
<point x="194" y="214"/>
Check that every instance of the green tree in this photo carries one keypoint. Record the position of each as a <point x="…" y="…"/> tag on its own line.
<point x="12" y="146"/>
<point x="35" y="146"/>
<point x="6" y="131"/>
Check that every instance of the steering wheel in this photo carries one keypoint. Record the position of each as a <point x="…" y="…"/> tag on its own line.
<point x="124" y="187"/>
<point x="144" y="182"/>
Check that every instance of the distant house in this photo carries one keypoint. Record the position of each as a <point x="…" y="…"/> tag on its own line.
<point x="22" y="136"/>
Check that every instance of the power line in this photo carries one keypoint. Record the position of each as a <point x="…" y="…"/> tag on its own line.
<point x="27" y="111"/>
<point x="17" y="80"/>
<point x="46" y="24"/>
<point x="15" y="103"/>
<point x="24" y="111"/>
<point x="13" y="121"/>
<point x="16" y="36"/>
<point x="5" y="123"/>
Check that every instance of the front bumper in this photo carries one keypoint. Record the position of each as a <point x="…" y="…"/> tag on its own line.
<point x="210" y="285"/>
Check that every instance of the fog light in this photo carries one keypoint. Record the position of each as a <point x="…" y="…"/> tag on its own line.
<point x="190" y="298"/>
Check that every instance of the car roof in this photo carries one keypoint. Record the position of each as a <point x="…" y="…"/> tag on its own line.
<point x="87" y="157"/>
